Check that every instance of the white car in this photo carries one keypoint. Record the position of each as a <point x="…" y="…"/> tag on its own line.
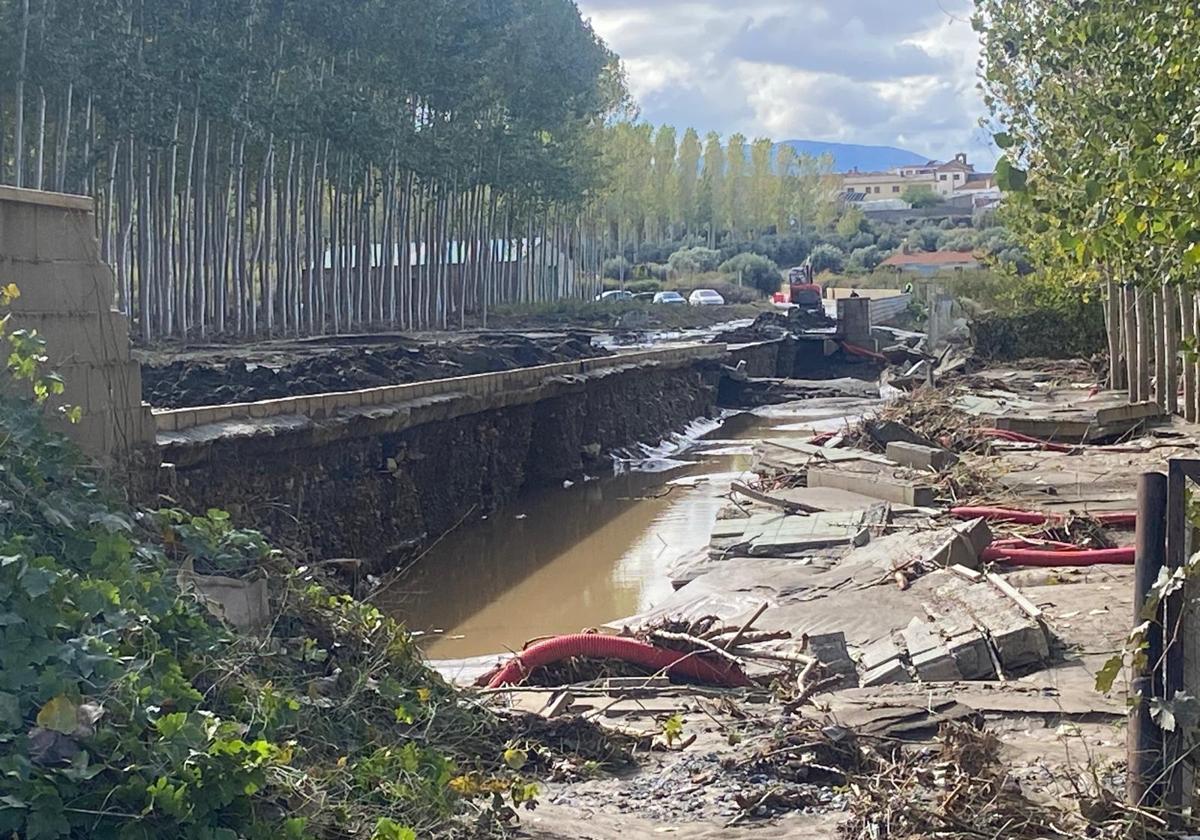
<point x="706" y="297"/>
<point x="669" y="297"/>
<point x="615" y="296"/>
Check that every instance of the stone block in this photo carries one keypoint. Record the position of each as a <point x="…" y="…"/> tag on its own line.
<point x="879" y="653"/>
<point x="18" y="232"/>
<point x="936" y="665"/>
<point x="876" y="485"/>
<point x="79" y="338"/>
<point x="971" y="655"/>
<point x="892" y="671"/>
<point x="64" y="234"/>
<point x="920" y="637"/>
<point x="1019" y="643"/>
<point x="920" y="457"/>
<point x="58" y="287"/>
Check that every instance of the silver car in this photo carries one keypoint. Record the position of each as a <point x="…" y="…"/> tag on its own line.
<point x="706" y="297"/>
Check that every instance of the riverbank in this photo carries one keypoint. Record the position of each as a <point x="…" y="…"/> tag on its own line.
<point x="1005" y="655"/>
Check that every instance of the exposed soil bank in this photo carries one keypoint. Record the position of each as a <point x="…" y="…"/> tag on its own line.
<point x="374" y="488"/>
<point x="314" y="367"/>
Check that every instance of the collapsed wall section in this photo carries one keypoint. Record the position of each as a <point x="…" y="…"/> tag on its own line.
<point x="378" y="483"/>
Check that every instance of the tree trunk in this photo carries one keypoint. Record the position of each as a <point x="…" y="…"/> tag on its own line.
<point x="1170" y="308"/>
<point x="1187" y="313"/>
<point x="19" y="127"/>
<point x="1112" y="323"/>
<point x="1144" y="313"/>
<point x="1132" y="359"/>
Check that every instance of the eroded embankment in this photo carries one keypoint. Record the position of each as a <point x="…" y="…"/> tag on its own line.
<point x="291" y="369"/>
<point x="380" y="483"/>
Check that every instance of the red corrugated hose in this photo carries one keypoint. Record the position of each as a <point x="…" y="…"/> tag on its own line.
<point x="855" y="350"/>
<point x="685" y="666"/>
<point x="1031" y="517"/>
<point x="1021" y="553"/>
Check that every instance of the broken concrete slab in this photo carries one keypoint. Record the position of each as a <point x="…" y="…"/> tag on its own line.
<point x="884" y="432"/>
<point x="921" y="457"/>
<point x="879" y="484"/>
<point x="1018" y="640"/>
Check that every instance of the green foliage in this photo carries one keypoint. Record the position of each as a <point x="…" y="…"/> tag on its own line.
<point x="827" y="258"/>
<point x="754" y="270"/>
<point x="658" y="188"/>
<point x="1094" y="105"/>
<point x="853" y="221"/>
<point x="864" y="259"/>
<point x="927" y="238"/>
<point x="694" y="261"/>
<point x="617" y="268"/>
<point x="128" y="711"/>
<point x="920" y="197"/>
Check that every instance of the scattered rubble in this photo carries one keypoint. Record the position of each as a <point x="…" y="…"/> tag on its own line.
<point x="887" y="653"/>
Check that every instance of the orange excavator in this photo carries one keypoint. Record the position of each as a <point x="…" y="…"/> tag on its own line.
<point x="805" y="294"/>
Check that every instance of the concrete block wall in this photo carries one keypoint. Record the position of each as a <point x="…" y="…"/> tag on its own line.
<point x="48" y="248"/>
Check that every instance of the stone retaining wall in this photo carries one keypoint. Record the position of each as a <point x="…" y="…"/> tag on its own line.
<point x="377" y="482"/>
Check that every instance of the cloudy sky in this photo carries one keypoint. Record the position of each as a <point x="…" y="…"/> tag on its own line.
<point x="888" y="72"/>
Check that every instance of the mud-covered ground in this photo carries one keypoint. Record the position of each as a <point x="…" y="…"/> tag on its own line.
<point x="216" y="376"/>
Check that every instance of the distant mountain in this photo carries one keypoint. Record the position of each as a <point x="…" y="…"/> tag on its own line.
<point x="848" y="156"/>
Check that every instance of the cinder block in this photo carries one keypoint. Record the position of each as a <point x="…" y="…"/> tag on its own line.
<point x="58" y="287"/>
<point x="936" y="665"/>
<point x="64" y="234"/>
<point x="920" y="457"/>
<point x="875" y="485"/>
<point x="970" y="653"/>
<point x="878" y="653"/>
<point x="890" y="672"/>
<point x="79" y="338"/>
<point x="18" y="234"/>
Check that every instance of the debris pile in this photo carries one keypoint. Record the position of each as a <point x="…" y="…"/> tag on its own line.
<point x="960" y="788"/>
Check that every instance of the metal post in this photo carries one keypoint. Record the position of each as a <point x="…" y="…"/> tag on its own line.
<point x="1144" y="738"/>
<point x="1170" y="680"/>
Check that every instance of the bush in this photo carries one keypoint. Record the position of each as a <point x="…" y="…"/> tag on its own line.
<point x="617" y="268"/>
<point x="643" y="286"/>
<point x="958" y="240"/>
<point x="657" y="271"/>
<point x="861" y="240"/>
<point x="694" y="260"/>
<point x="756" y="271"/>
<point x="925" y="238"/>
<point x="921" y="197"/>
<point x="827" y="258"/>
<point x="864" y="259"/>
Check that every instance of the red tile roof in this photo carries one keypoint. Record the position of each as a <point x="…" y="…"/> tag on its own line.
<point x="947" y="258"/>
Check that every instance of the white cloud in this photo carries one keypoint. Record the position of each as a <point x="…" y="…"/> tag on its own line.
<point x="887" y="72"/>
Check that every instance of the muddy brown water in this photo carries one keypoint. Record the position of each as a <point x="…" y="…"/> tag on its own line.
<point x="565" y="559"/>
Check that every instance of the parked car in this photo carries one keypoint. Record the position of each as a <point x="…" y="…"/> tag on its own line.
<point x="669" y="297"/>
<point x="706" y="297"/>
<point x="615" y="296"/>
<point x="644" y="296"/>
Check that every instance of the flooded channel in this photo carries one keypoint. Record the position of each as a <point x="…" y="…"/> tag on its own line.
<point x="564" y="559"/>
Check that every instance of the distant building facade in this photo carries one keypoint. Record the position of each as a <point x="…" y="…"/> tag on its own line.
<point x="948" y="180"/>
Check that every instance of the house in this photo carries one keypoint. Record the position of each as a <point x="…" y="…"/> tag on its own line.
<point x="948" y="179"/>
<point x="931" y="262"/>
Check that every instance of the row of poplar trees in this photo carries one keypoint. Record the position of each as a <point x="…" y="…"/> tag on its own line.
<point x="1097" y="105"/>
<point x="275" y="167"/>
<point x="663" y="186"/>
